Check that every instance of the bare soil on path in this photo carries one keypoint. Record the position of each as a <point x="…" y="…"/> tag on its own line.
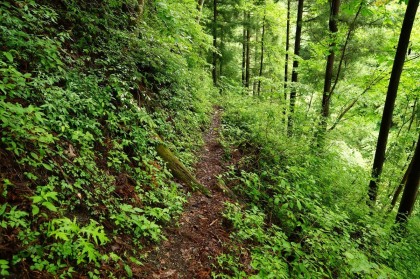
<point x="193" y="245"/>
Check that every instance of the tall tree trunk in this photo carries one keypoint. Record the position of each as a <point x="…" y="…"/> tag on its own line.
<point x="248" y="52"/>
<point x="391" y="95"/>
<point x="325" y="109"/>
<point x="256" y="58"/>
<point x="286" y="59"/>
<point x="222" y="45"/>
<point x="244" y="49"/>
<point x="411" y="186"/>
<point x="214" y="71"/>
<point x="262" y="55"/>
<point x="295" y="67"/>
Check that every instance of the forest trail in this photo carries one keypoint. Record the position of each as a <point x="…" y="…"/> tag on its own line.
<point x="192" y="247"/>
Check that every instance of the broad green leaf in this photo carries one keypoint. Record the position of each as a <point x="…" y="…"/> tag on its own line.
<point x="3" y="209"/>
<point x="136" y="261"/>
<point x="37" y="199"/>
<point x="35" y="210"/>
<point x="299" y="205"/>
<point x="9" y="56"/>
<point x="128" y="270"/>
<point x="48" y="167"/>
<point x="50" y="206"/>
<point x="52" y="195"/>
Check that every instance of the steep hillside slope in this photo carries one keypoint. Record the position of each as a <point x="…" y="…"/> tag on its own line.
<point x="86" y="87"/>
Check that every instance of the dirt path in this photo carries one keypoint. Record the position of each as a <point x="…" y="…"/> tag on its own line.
<point x="193" y="246"/>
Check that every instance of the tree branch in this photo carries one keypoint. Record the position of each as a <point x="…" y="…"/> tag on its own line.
<point x="351" y="105"/>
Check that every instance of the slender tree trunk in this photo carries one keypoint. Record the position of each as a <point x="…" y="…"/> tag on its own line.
<point x="286" y="59"/>
<point x="325" y="110"/>
<point x="256" y="58"/>
<point x="352" y="28"/>
<point x="261" y="56"/>
<point x="214" y="71"/>
<point x="200" y="9"/>
<point x="411" y="187"/>
<point x="244" y="50"/>
<point x="248" y="51"/>
<point x="390" y="98"/>
<point x="221" y="48"/>
<point x="413" y="114"/>
<point x="400" y="186"/>
<point x="310" y="103"/>
<point x="295" y="67"/>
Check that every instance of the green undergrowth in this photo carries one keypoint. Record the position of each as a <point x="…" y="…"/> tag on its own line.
<point x="86" y="90"/>
<point x="303" y="212"/>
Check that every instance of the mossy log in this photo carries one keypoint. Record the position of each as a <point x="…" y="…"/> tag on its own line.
<point x="179" y="170"/>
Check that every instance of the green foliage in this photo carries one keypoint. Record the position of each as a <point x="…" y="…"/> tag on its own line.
<point x="13" y="218"/>
<point x="306" y="213"/>
<point x="45" y="198"/>
<point x="130" y="218"/>
<point x="76" y="243"/>
<point x="4" y="266"/>
<point x="87" y="88"/>
<point x="84" y="90"/>
<point x="316" y="198"/>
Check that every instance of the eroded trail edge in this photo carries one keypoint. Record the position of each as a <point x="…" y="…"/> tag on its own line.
<point x="192" y="247"/>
